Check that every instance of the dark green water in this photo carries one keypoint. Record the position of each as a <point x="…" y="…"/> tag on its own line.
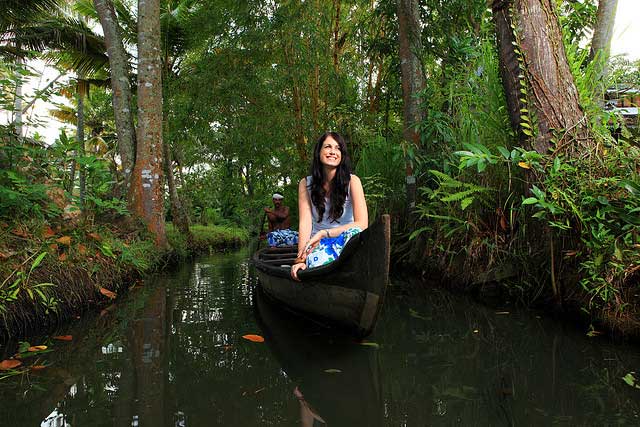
<point x="171" y="353"/>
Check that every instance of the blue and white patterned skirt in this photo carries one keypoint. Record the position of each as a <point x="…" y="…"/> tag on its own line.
<point x="330" y="248"/>
<point x="282" y="238"/>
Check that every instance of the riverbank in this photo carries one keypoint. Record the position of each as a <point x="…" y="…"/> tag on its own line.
<point x="527" y="281"/>
<point x="51" y="275"/>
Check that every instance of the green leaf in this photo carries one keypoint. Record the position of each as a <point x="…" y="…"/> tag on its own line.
<point x="466" y="202"/>
<point x="505" y="153"/>
<point x="37" y="261"/>
<point x="630" y="379"/>
<point x="370" y="344"/>
<point x="527" y="132"/>
<point x="530" y="201"/>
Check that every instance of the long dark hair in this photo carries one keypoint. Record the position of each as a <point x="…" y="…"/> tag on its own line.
<point x="339" y="185"/>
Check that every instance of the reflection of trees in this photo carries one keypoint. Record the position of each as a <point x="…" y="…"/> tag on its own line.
<point x="219" y="378"/>
<point x="515" y="368"/>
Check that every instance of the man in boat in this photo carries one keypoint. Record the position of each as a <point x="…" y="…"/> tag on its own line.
<point x="279" y="233"/>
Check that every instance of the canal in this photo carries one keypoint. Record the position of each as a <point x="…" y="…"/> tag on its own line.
<point x="172" y="353"/>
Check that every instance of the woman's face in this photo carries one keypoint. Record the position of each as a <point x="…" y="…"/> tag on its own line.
<point x="330" y="154"/>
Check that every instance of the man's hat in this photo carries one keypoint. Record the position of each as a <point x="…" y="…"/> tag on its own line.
<point x="277" y="196"/>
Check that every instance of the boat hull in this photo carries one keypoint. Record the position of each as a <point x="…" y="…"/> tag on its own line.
<point x="348" y="292"/>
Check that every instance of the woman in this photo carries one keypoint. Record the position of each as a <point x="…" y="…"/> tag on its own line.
<point x="331" y="205"/>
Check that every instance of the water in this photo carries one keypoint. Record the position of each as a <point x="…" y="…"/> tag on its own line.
<point x="171" y="353"/>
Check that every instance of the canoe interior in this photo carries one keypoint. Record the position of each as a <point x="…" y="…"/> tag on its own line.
<point x="348" y="291"/>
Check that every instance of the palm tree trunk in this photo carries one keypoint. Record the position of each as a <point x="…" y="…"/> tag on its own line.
<point x="80" y="92"/>
<point x="180" y="218"/>
<point x="119" y="71"/>
<point x="412" y="83"/>
<point x="17" y="102"/>
<point x="146" y="191"/>
<point x="603" y="33"/>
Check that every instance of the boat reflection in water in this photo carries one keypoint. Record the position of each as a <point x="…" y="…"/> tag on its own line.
<point x="336" y="379"/>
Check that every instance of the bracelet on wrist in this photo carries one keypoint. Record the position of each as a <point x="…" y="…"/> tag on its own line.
<point x="327" y="233"/>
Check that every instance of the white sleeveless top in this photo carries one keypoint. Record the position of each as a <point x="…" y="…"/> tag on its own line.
<point x="326" y="223"/>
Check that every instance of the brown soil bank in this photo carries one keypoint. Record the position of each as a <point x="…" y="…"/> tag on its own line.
<point x="50" y="276"/>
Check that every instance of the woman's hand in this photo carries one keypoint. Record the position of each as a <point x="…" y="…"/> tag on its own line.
<point x="295" y="268"/>
<point x="305" y="250"/>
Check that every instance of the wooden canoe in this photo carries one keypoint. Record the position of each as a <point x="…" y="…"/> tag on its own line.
<point x="347" y="292"/>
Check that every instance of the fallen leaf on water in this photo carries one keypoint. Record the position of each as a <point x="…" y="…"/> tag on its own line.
<point x="107" y="293"/>
<point x="370" y="344"/>
<point x="64" y="240"/>
<point x="9" y="364"/>
<point x="37" y="367"/>
<point x="475" y="331"/>
<point x="415" y="314"/>
<point x="332" y="371"/>
<point x="63" y="337"/>
<point x="254" y="338"/>
<point x="630" y="379"/>
<point x="37" y="348"/>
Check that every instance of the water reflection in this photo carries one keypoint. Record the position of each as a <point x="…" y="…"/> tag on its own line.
<point x="171" y="354"/>
<point x="335" y="379"/>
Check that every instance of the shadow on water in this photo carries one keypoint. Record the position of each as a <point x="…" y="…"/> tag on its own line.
<point x="337" y="379"/>
<point x="171" y="353"/>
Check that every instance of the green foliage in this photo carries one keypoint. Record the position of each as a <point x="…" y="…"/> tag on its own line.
<point x="600" y="205"/>
<point x="577" y="19"/>
<point x="379" y="169"/>
<point x="19" y="282"/>
<point x="206" y="238"/>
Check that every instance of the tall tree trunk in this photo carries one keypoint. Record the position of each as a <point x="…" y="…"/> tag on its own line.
<point x="146" y="192"/>
<point x="509" y="64"/>
<point x="336" y="35"/>
<point x="552" y="93"/>
<point x="119" y="71"/>
<point x="413" y="82"/>
<point x="17" y="102"/>
<point x="603" y="33"/>
<point x="81" y="90"/>
<point x="289" y="57"/>
<point x="180" y="218"/>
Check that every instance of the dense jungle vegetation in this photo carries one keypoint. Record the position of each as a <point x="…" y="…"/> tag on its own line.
<point x="479" y="126"/>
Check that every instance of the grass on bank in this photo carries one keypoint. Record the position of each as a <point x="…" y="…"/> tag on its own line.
<point x="50" y="273"/>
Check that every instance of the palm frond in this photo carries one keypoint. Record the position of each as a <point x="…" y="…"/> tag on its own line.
<point x="64" y="114"/>
<point x="16" y="13"/>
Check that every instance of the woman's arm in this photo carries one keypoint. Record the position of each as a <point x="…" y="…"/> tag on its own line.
<point x="304" y="227"/>
<point x="305" y="216"/>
